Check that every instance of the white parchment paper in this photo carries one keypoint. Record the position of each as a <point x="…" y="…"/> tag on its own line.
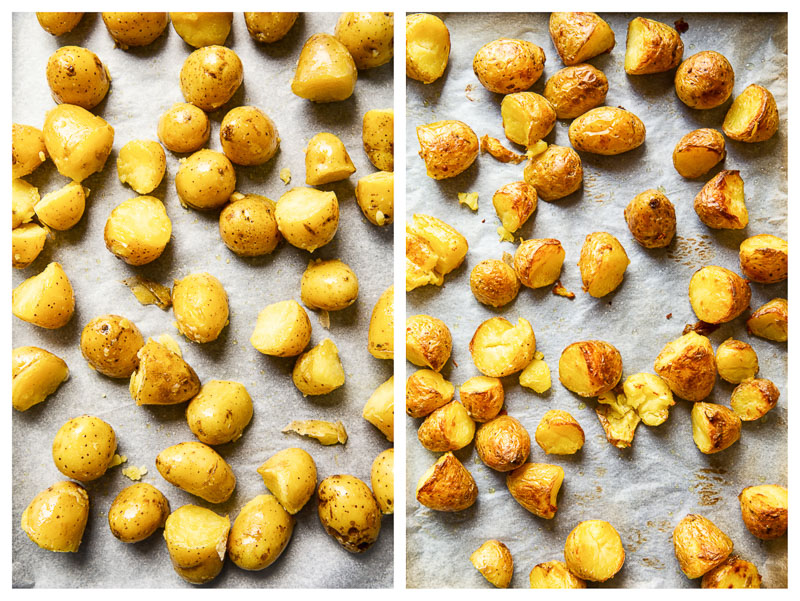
<point x="145" y="83"/>
<point x="643" y="491"/>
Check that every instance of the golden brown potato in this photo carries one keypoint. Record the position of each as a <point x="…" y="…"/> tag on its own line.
<point x="704" y="80"/>
<point x="538" y="262"/>
<point x="574" y="90"/>
<point x="697" y="152"/>
<point x="328" y="285"/>
<point x="527" y="117"/>
<point x="617" y="418"/>
<point x="59" y="23"/>
<point x="427" y="390"/>
<point x="652" y="47"/>
<point x="369" y="37"/>
<point x="503" y="443"/>
<point x="379" y="409"/>
<point x="433" y="249"/>
<point x="500" y="348"/>
<point x="56" y="518"/>
<point x="718" y="295"/>
<point x="734" y="572"/>
<point x="447" y="147"/>
<point x="714" y="427"/>
<point x="77" y="76"/>
<point x="327" y="160"/>
<point x="46" y="299"/>
<point x="308" y="218"/>
<point x="248" y="136"/>
<point x="514" y="204"/>
<point x="163" y="377"/>
<point x="202" y="29"/>
<point x="135" y="29"/>
<point x="650" y="396"/>
<point x="325" y="70"/>
<point x="736" y="361"/>
<point x="268" y="28"/>
<point x="27" y="149"/>
<point x="753" y="116"/>
<point x="35" y="375"/>
<point x="554" y="574"/>
<point x="78" y="141"/>
<point x="602" y="262"/>
<point x="555" y="173"/>
<point x="247" y="225"/>
<point x="590" y="368"/>
<point x="141" y="164"/>
<point x="447" y="428"/>
<point x="210" y="76"/>
<point x="720" y="204"/>
<point x="687" y="365"/>
<point x="375" y="197"/>
<point x="535" y="486"/>
<point x="754" y="398"/>
<point x="483" y="397"/>
<point x="493" y="283"/>
<point x="651" y="219"/>
<point x="764" y="259"/>
<point x="508" y="65"/>
<point x="110" y="344"/>
<point x="428" y="341"/>
<point x="447" y="485"/>
<point x="594" y="551"/>
<point x="380" y="337"/>
<point x="699" y="545"/>
<point x="27" y="242"/>
<point x="377" y="136"/>
<point x="558" y="433"/>
<point x="319" y="370"/>
<point x="765" y="510"/>
<point x="84" y="447"/>
<point x="493" y="560"/>
<point x="580" y="36"/>
<point x="770" y="320"/>
<point x="138" y="230"/>
<point x="137" y="512"/>
<point x="607" y="130"/>
<point x="184" y="128"/>
<point x="427" y="47"/>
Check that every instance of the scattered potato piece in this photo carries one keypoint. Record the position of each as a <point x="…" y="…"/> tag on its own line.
<point x="495" y="148"/>
<point x="734" y="572"/>
<point x="558" y="433"/>
<point x="468" y="198"/>
<point x="753" y="116"/>
<point x="650" y="396"/>
<point x="618" y="418"/>
<point x="754" y="398"/>
<point x="714" y="427"/>
<point x="493" y="560"/>
<point x="379" y="409"/>
<point x="594" y="551"/>
<point x="327" y="433"/>
<point x="536" y="376"/>
<point x="535" y="486"/>
<point x="447" y="485"/>
<point x="720" y="204"/>
<point x="765" y="510"/>
<point x="771" y="320"/>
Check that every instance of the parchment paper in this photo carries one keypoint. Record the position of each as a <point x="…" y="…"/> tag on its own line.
<point x="646" y="490"/>
<point x="145" y="83"/>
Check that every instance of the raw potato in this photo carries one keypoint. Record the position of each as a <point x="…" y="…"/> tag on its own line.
<point x="688" y="367"/>
<point x="483" y="397"/>
<point x="617" y="418"/>
<point x="508" y="65"/>
<point x="77" y="76"/>
<point x="652" y="47"/>
<point x="46" y="299"/>
<point x="771" y="320"/>
<point x="699" y="545"/>
<point x="327" y="160"/>
<point x="427" y="390"/>
<point x="555" y="173"/>
<point x="135" y="29"/>
<point x="527" y="117"/>
<point x="307" y="218"/>
<point x="447" y="485"/>
<point x="210" y="77"/>
<point x="268" y="28"/>
<point x="375" y="197"/>
<point x="24" y="197"/>
<point x="536" y="375"/>
<point x="734" y="572"/>
<point x="319" y="370"/>
<point x="753" y="116"/>
<point x="63" y="208"/>
<point x="697" y="152"/>
<point x="110" y="344"/>
<point x="198" y="469"/>
<point x="248" y="136"/>
<point x="651" y="219"/>
<point x="59" y="23"/>
<point x="290" y="475"/>
<point x="704" y="80"/>
<point x="377" y="135"/>
<point x="200" y="304"/>
<point x="428" y="342"/>
<point x="427" y="47"/>
<point x="260" y="533"/>
<point x="590" y="368"/>
<point x="535" y="486"/>
<point x="328" y="285"/>
<point x="607" y="130"/>
<point x="714" y="427"/>
<point x="205" y="180"/>
<point x="382" y="480"/>
<point x="764" y="259"/>
<point x="369" y="37"/>
<point x="326" y="72"/>
<point x="84" y="447"/>
<point x="27" y="149"/>
<point x="718" y="295"/>
<point x="327" y="433"/>
<point x="650" y="396"/>
<point x="448" y="428"/>
<point x="35" y="375"/>
<point x="349" y="512"/>
<point x="141" y="164"/>
<point x="559" y="433"/>
<point x="163" y="377"/>
<point x="27" y="242"/>
<point x="493" y="283"/>
<point x="184" y="128"/>
<point x="580" y="36"/>
<point x="594" y="551"/>
<point x="736" y="361"/>
<point x="137" y="512"/>
<point x="493" y="560"/>
<point x="602" y="262"/>
<point x="138" y="230"/>
<point x="433" y="249"/>
<point x="514" y="204"/>
<point x="554" y="574"/>
<point x="196" y="540"/>
<point x="380" y="336"/>
<point x="500" y="348"/>
<point x="754" y="398"/>
<point x="248" y="226"/>
<point x="202" y="29"/>
<point x="538" y="262"/>
<point x="721" y="204"/>
<point x="765" y="510"/>
<point x="220" y="412"/>
<point x="503" y="443"/>
<point x="379" y="409"/>
<point x="448" y="147"/>
<point x="56" y="518"/>
<point x="78" y="141"/>
<point x="574" y="90"/>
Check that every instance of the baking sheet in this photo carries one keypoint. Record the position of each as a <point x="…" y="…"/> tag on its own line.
<point x="643" y="491"/>
<point x="144" y="84"/>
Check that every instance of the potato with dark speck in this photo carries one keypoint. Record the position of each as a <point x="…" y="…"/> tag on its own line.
<point x="428" y="342"/>
<point x="184" y="128"/>
<point x="714" y="427"/>
<point x="163" y="377"/>
<point x="720" y="204"/>
<point x="260" y="533"/>
<point x="447" y="428"/>
<point x="380" y="342"/>
<point x="248" y="226"/>
<point x="196" y="540"/>
<point x="494" y="283"/>
<point x="651" y="219"/>
<point x="483" y="396"/>
<point x="574" y="90"/>
<point x="220" y="412"/>
<point x="46" y="299"/>
<point x="84" y="447"/>
<point x="555" y="173"/>
<point x="138" y="230"/>
<point x="699" y="545"/>
<point x="607" y="130"/>
<point x="427" y="390"/>
<point x="447" y="485"/>
<point x="27" y="149"/>
<point x="205" y="180"/>
<point x="200" y="305"/>
<point x="110" y="344"/>
<point x="503" y="443"/>
<point x="27" y="243"/>
<point x="35" y="375"/>
<point x="77" y="76"/>
<point x="764" y="259"/>
<point x="369" y="37"/>
<point x="349" y="512"/>
<point x="135" y="29"/>
<point x="290" y="475"/>
<point x="535" y="486"/>
<point x="765" y="510"/>
<point x="269" y="28"/>
<point x="377" y="136"/>
<point x="210" y="77"/>
<point x="448" y="147"/>
<point x="198" y="469"/>
<point x="308" y="218"/>
<point x="704" y="80"/>
<point x="137" y="512"/>
<point x="554" y="574"/>
<point x="508" y="65"/>
<point x="688" y="366"/>
<point x="248" y="136"/>
<point x="382" y="480"/>
<point x="734" y="572"/>
<point x="375" y="197"/>
<point x="56" y="518"/>
<point x="59" y="23"/>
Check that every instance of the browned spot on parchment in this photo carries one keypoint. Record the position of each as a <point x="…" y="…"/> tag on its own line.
<point x="662" y="525"/>
<point x="692" y="252"/>
<point x="632" y="543"/>
<point x="653" y="563"/>
<point x="708" y="480"/>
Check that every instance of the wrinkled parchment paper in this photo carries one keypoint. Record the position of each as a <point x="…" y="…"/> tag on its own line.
<point x="643" y="491"/>
<point x="144" y="84"/>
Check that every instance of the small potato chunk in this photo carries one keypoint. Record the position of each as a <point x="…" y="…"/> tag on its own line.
<point x="602" y="262"/>
<point x="198" y="469"/>
<point x="110" y="344"/>
<point x="574" y="90"/>
<point x="369" y="37"/>
<point x="538" y="262"/>
<point x="268" y="28"/>
<point x="720" y="204"/>
<point x="328" y="285"/>
<point x="447" y="428"/>
<point x="327" y="160"/>
<point x="714" y="427"/>
<point x="508" y="65"/>
<point x="580" y="36"/>
<point x="375" y="197"/>
<point x="202" y="29"/>
<point x="84" y="447"/>
<point x="380" y="337"/>
<point x="260" y="533"/>
<point x="379" y="409"/>
<point x="163" y="377"/>
<point x="327" y="433"/>
<point x="765" y="510"/>
<point x="427" y="390"/>
<point x="196" y="540"/>
<point x="377" y="136"/>
<point x="594" y="551"/>
<point x="527" y="117"/>
<point x="493" y="283"/>
<point x="754" y="398"/>
<point x="135" y="29"/>
<point x="734" y="572"/>
<point x="718" y="295"/>
<point x="57" y="516"/>
<point x="220" y="412"/>
<point x="554" y="574"/>
<point x="697" y="152"/>
<point x="536" y="376"/>
<point x="59" y="23"/>
<point x="687" y="365"/>
<point x="617" y="418"/>
<point x="699" y="545"/>
<point x="248" y="136"/>
<point x="427" y="47"/>
<point x="650" y="396"/>
<point x="447" y="147"/>
<point x="535" y="486"/>
<point x="447" y="485"/>
<point x="500" y="348"/>
<point x="210" y="77"/>
<point x="63" y="208"/>
<point x="200" y="304"/>
<point x="46" y="299"/>
<point x="138" y="230"/>
<point x="764" y="259"/>
<point x="141" y="164"/>
<point x="607" y="130"/>
<point x="349" y="512"/>
<point x="651" y="219"/>
<point x="35" y="375"/>
<point x="137" y="512"/>
<point x="652" y="47"/>
<point x="503" y="443"/>
<point x="555" y="173"/>
<point x="433" y="249"/>
<point x="326" y="72"/>
<point x="514" y="204"/>
<point x="205" y="180"/>
<point x="771" y="320"/>
<point x="282" y="329"/>
<point x="382" y="480"/>
<point x="24" y="197"/>
<point x="421" y="262"/>
<point x="559" y="433"/>
<point x="27" y="242"/>
<point x="184" y="128"/>
<point x="428" y="342"/>
<point x="290" y="475"/>
<point x="483" y="397"/>
<point x="78" y="141"/>
<point x="704" y="80"/>
<point x="27" y="150"/>
<point x="319" y="370"/>
<point x="590" y="368"/>
<point x="736" y="361"/>
<point x="753" y="116"/>
<point x="493" y="560"/>
<point x="248" y="226"/>
<point x="307" y="218"/>
<point x="77" y="76"/>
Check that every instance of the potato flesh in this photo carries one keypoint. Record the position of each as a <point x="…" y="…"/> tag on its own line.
<point x="699" y="545"/>
<point x="527" y="117"/>
<point x="325" y="70"/>
<point x="327" y="433"/>
<point x="35" y="375"/>
<point x="447" y="428"/>
<point x="141" y="165"/>
<point x="754" y="398"/>
<point x="764" y="258"/>
<point x="718" y="295"/>
<point x="138" y="230"/>
<point x="714" y="427"/>
<point x="56" y="518"/>
<point x="559" y="433"/>
<point x="78" y="141"/>
<point x="771" y="320"/>
<point x="196" y="540"/>
<point x="538" y="262"/>
<point x="500" y="348"/>
<point x="736" y="361"/>
<point x="753" y="116"/>
<point x="602" y="264"/>
<point x="27" y="242"/>
<point x="594" y="551"/>
<point x="650" y="396"/>
<point x="282" y="329"/>
<point x="734" y="572"/>
<point x="493" y="560"/>
<point x="379" y="409"/>
<point x="327" y="160"/>
<point x="377" y="134"/>
<point x="698" y="151"/>
<point x="434" y="247"/>
<point x="63" y="208"/>
<point x="536" y="376"/>
<point x="427" y="47"/>
<point x="554" y="574"/>
<point x="46" y="300"/>
<point x="590" y="368"/>
<point x="535" y="486"/>
<point x="24" y="198"/>
<point x="290" y="475"/>
<point x="652" y="47"/>
<point x="319" y="371"/>
<point x="202" y="29"/>
<point x="617" y="418"/>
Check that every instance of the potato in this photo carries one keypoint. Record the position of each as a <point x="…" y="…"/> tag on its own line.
<point x="770" y="320"/>
<point x="718" y="295"/>
<point x="326" y="433"/>
<point x="163" y="377"/>
<point x="369" y="37"/>
<point x="196" y="540"/>
<point x="765" y="510"/>
<point x="574" y="90"/>
<point x="447" y="428"/>
<point x="328" y="285"/>
<point x="319" y="370"/>
<point x="699" y="545"/>
<point x="688" y="367"/>
<point x="764" y="259"/>
<point x="260" y="533"/>
<point x="651" y="219"/>
<point x="754" y="398"/>
<point x="617" y="418"/>
<point x="536" y="375"/>
<point x="421" y="261"/>
<point x="602" y="262"/>
<point x="375" y="197"/>
<point x="697" y="152"/>
<point x="714" y="427"/>
<point x="514" y="204"/>
<point x="290" y="475"/>
<point x="377" y="135"/>
<point x="248" y="136"/>
<point x="326" y="72"/>
<point x="538" y="262"/>
<point x="736" y="361"/>
<point x="248" y="226"/>
<point x="57" y="516"/>
<point x="448" y="147"/>
<point x="210" y="77"/>
<point x="63" y="208"/>
<point x="110" y="345"/>
<point x="527" y="117"/>
<point x="503" y="443"/>
<point x="427" y="47"/>
<point x="428" y="342"/>
<point x="380" y="337"/>
<point x="433" y="249"/>
<point x="590" y="368"/>
<point x="734" y="572"/>
<point x="558" y="433"/>
<point x="427" y="390"/>
<point x="447" y="485"/>
<point x="493" y="560"/>
<point x="220" y="412"/>
<point x="500" y="348"/>
<point x="720" y="204"/>
<point x="202" y="29"/>
<point x="580" y="36"/>
<point x="483" y="397"/>
<point x="535" y="486"/>
<point x="554" y="574"/>
<point x="84" y="447"/>
<point x="379" y="409"/>
<point x="27" y="149"/>
<point x="46" y="299"/>
<point x="77" y="76"/>
<point x="137" y="512"/>
<point x="78" y="141"/>
<point x="200" y="304"/>
<point x="349" y="512"/>
<point x="307" y="218"/>
<point x="555" y="173"/>
<point x="198" y="469"/>
<point x="704" y="80"/>
<point x="650" y="396"/>
<point x="327" y="160"/>
<point x="205" y="180"/>
<point x="594" y="551"/>
<point x="753" y="116"/>
<point x="24" y="197"/>
<point x="35" y="375"/>
<point x="607" y="130"/>
<point x="135" y="29"/>
<point x="652" y="47"/>
<point x="508" y="65"/>
<point x="493" y="283"/>
<point x="138" y="230"/>
<point x="141" y="164"/>
<point x="184" y="128"/>
<point x="59" y="23"/>
<point x="27" y="242"/>
<point x="269" y="27"/>
<point x="382" y="480"/>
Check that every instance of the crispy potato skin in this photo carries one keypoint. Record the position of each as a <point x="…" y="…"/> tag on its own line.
<point x="718" y="295"/>
<point x="651" y="219"/>
<point x="720" y="204"/>
<point x="493" y="560"/>
<point x="268" y="28"/>
<point x="427" y="47"/>
<point x="734" y="572"/>
<point x="447" y="486"/>
<point x="537" y="263"/>
<point x="688" y="366"/>
<point x="607" y="130"/>
<point x="503" y="443"/>
<point x="137" y="512"/>
<point x="754" y="398"/>
<point x="483" y="396"/>
<point x="514" y="204"/>
<point x="714" y="427"/>
<point x="594" y="551"/>
<point x="508" y="65"/>
<point x="447" y="428"/>
<point x="369" y="37"/>
<point x="764" y="259"/>
<point x="579" y="36"/>
<point x="765" y="510"/>
<point x="554" y="574"/>
<point x="535" y="486"/>
<point x="56" y="518"/>
<point x="590" y="368"/>
<point x="427" y="390"/>
<point x="110" y="344"/>
<point x="704" y="80"/>
<point x="697" y="152"/>
<point x="574" y="90"/>
<point x="699" y="545"/>
<point x="652" y="47"/>
<point x="753" y="116"/>
<point x="77" y="76"/>
<point x="428" y="342"/>
<point x="556" y="173"/>
<point x="493" y="283"/>
<point x="210" y="77"/>
<point x="602" y="263"/>
<point x="447" y="147"/>
<point x="770" y="320"/>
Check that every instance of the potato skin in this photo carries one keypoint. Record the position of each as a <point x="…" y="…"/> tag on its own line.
<point x="377" y="135"/>
<point x="202" y="29"/>
<point x="198" y="469"/>
<point x="535" y="486"/>
<point x="447" y="428"/>
<point x="56" y="518"/>
<point x="380" y="336"/>
<point x="651" y="219"/>
<point x="27" y="243"/>
<point x="308" y="218"/>
<point x="220" y="412"/>
<point x="200" y="305"/>
<point x="514" y="204"/>
<point x="110" y="344"/>
<point x="184" y="128"/>
<point x="754" y="398"/>
<point x="426" y="391"/>
<point x="205" y="180"/>
<point x="248" y="226"/>
<point x="319" y="370"/>
<point x="248" y="136"/>
<point x="163" y="377"/>
<point x="483" y="396"/>
<point x="46" y="299"/>
<point x="537" y="263"/>
<point x="290" y="475"/>
<point x="736" y="361"/>
<point x="699" y="545"/>
<point x="135" y="29"/>
<point x="688" y="366"/>
<point x="508" y="65"/>
<point x="77" y="76"/>
<point x="428" y="342"/>
<point x="138" y="230"/>
<point x="720" y="204"/>
<point x="427" y="47"/>
<point x="328" y="285"/>
<point x="210" y="77"/>
<point x="327" y="160"/>
<point x="447" y="485"/>
<point x="574" y="90"/>
<point x="734" y="572"/>
<point x="652" y="47"/>
<point x="527" y="117"/>
<point x="369" y="37"/>
<point x="704" y="80"/>
<point x="379" y="409"/>
<point x="607" y="130"/>
<point x="27" y="149"/>
<point x="78" y="141"/>
<point x="63" y="208"/>
<point x="35" y="375"/>
<point x="137" y="512"/>
<point x="717" y="294"/>
<point x="268" y="28"/>
<point x="196" y="540"/>
<point x="59" y="23"/>
<point x="433" y="245"/>
<point x="84" y="447"/>
<point x="602" y="263"/>
<point x="579" y="36"/>
<point x="765" y="510"/>
<point x="349" y="512"/>
<point x="714" y="427"/>
<point x="594" y="551"/>
<point x="554" y="574"/>
<point x="753" y="116"/>
<point x="556" y="173"/>
<point x="503" y="443"/>
<point x="447" y="147"/>
<point x="493" y="283"/>
<point x="382" y="480"/>
<point x="493" y="560"/>
<point x="770" y="320"/>
<point x="375" y="197"/>
<point x="697" y="152"/>
<point x="500" y="348"/>
<point x="326" y="72"/>
<point x="260" y="533"/>
<point x="590" y="368"/>
<point x="764" y="259"/>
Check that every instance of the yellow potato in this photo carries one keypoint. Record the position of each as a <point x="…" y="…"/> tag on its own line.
<point x="59" y="23"/>
<point x="594" y="551"/>
<point x="184" y="128"/>
<point x="503" y="443"/>
<point x="210" y="77"/>
<point x="697" y="152"/>
<point x="141" y="164"/>
<point x="688" y="367"/>
<point x="202" y="29"/>
<point x="447" y="428"/>
<point x="536" y="375"/>
<point x="27" y="242"/>
<point x="617" y="418"/>
<point x="84" y="447"/>
<point x="200" y="304"/>
<point x="260" y="533"/>
<point x="427" y="390"/>
<point x="247" y="225"/>
<point x="196" y="540"/>
<point x="652" y="47"/>
<point x="220" y="412"/>
<point x="205" y="180"/>
<point x="770" y="320"/>
<point x="325" y="71"/>
<point x="57" y="516"/>
<point x="607" y="130"/>
<point x="580" y="36"/>
<point x="135" y="29"/>
<point x="269" y="27"/>
<point x="369" y="37"/>
<point x="379" y="409"/>
<point x="514" y="204"/>
<point x="554" y="574"/>
<point x="538" y="262"/>
<point x="555" y="173"/>
<point x="327" y="160"/>
<point x="382" y="480"/>
<point x="63" y="208"/>
<point x="754" y="398"/>
<point x="559" y="433"/>
<point x="248" y="136"/>
<point x="35" y="375"/>
<point x="77" y="76"/>
<point x="319" y="370"/>
<point x="764" y="259"/>
<point x="535" y="486"/>
<point x="27" y="149"/>
<point x="282" y="330"/>
<point x="527" y="117"/>
<point x="765" y="510"/>
<point x="494" y="283"/>
<point x="493" y="560"/>
<point x="734" y="572"/>
<point x="447" y="485"/>
<point x="650" y="396"/>
<point x="508" y="65"/>
<point x="375" y="197"/>
<point x="377" y="135"/>
<point x="753" y="116"/>
<point x="736" y="361"/>
<point x="328" y="285"/>
<point x="651" y="219"/>
<point x="704" y="80"/>
<point x="500" y="348"/>
<point x="290" y="475"/>
<point x="602" y="262"/>
<point x="721" y="204"/>
<point x="46" y="299"/>
<point x="380" y="343"/>
<point x="483" y="397"/>
<point x="699" y="545"/>
<point x="307" y="218"/>
<point x="718" y="295"/>
<point x="24" y="197"/>
<point x="327" y="433"/>
<point x="428" y="342"/>
<point x="78" y="141"/>
<point x="198" y="469"/>
<point x="433" y="249"/>
<point x="427" y="47"/>
<point x="714" y="427"/>
<point x="448" y="147"/>
<point x="349" y="512"/>
<point x="138" y="230"/>
<point x="137" y="512"/>
<point x="574" y="90"/>
<point x="590" y="368"/>
<point x="163" y="377"/>
<point x="110" y="344"/>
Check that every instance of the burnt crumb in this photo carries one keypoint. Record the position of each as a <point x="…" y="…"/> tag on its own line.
<point x="701" y="327"/>
<point x="669" y="315"/>
<point x="681" y="26"/>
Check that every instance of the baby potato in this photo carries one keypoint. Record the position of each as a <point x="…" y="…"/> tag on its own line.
<point x="248" y="136"/>
<point x="574" y="90"/>
<point x="24" y="197"/>
<point x="447" y="428"/>
<point x="559" y="433"/>
<point x="205" y="180"/>
<point x="447" y="485"/>
<point x="651" y="219"/>
<point x="327" y="160"/>
<point x="594" y="551"/>
<point x="699" y="545"/>
<point x="651" y="47"/>
<point x="59" y="23"/>
<point x="427" y="390"/>
<point x="720" y="204"/>
<point x="527" y="117"/>
<point x="259" y="533"/>
<point x="503" y="443"/>
<point x="714" y="427"/>
<point x="290" y="475"/>
<point x="78" y="141"/>
<point x="771" y="320"/>
<point x="220" y="412"/>
<point x="380" y="337"/>
<point x="508" y="65"/>
<point x="554" y="574"/>
<point x="202" y="29"/>
<point x="765" y="510"/>
<point x="163" y="377"/>
<point x="697" y="152"/>
<point x="535" y="486"/>
<point x="500" y="348"/>
<point x="704" y="80"/>
<point x="580" y="36"/>
<point x="268" y="28"/>
<point x="141" y="164"/>
<point x="77" y="76"/>
<point x="428" y="341"/>
<point x="754" y="398"/>
<point x="248" y="226"/>
<point x="326" y="72"/>
<point x="27" y="242"/>
<point x="138" y="230"/>
<point x="555" y="173"/>
<point x="198" y="469"/>
<point x="493" y="560"/>
<point x="184" y="128"/>
<point x="493" y="283"/>
<point x="718" y="295"/>
<point x="319" y="370"/>
<point x="433" y="249"/>
<point x="764" y="259"/>
<point x="369" y="37"/>
<point x="196" y="540"/>
<point x="84" y="447"/>
<point x="137" y="512"/>
<point x="379" y="409"/>
<point x="375" y="197"/>
<point x="538" y="262"/>
<point x="328" y="285"/>
<point x="307" y="218"/>
<point x="210" y="77"/>
<point x="377" y="135"/>
<point x="607" y="130"/>
<point x="421" y="262"/>
<point x="27" y="149"/>
<point x="514" y="204"/>
<point x="46" y="299"/>
<point x="427" y="47"/>
<point x="448" y="147"/>
<point x="200" y="304"/>
<point x="483" y="397"/>
<point x="650" y="396"/>
<point x="753" y="116"/>
<point x="35" y="375"/>
<point x="135" y="29"/>
<point x="536" y="376"/>
<point x="734" y="572"/>
<point x="63" y="208"/>
<point x="688" y="367"/>
<point x="602" y="262"/>
<point x="349" y="512"/>
<point x="736" y="361"/>
<point x="382" y="480"/>
<point x="590" y="368"/>
<point x="110" y="345"/>
<point x="57" y="516"/>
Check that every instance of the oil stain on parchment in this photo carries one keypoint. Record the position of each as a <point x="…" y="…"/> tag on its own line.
<point x="692" y="252"/>
<point x="707" y="482"/>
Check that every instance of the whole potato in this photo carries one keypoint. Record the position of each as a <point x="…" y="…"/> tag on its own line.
<point x="248" y="136"/>
<point x="137" y="512"/>
<point x="535" y="486"/>
<point x="427" y="47"/>
<point x="135" y="29"/>
<point x="198" y="469"/>
<point x="269" y="27"/>
<point x="720" y="204"/>
<point x="138" y="230"/>
<point x="427" y="390"/>
<point x="77" y="76"/>
<point x="594" y="551"/>
<point x="652" y="47"/>
<point x="84" y="447"/>
<point x="327" y="160"/>
<point x="184" y="128"/>
<point x="290" y="475"/>
<point x="494" y="283"/>
<point x="500" y="348"/>
<point x="447" y="147"/>
<point x="110" y="344"/>
<point x="699" y="545"/>
<point x="260" y="533"/>
<point x="247" y="225"/>
<point x="428" y="342"/>
<point x="45" y="300"/>
<point x="35" y="375"/>
<point x="141" y="164"/>
<point x="764" y="259"/>
<point x="328" y="285"/>
<point x="538" y="263"/>
<point x="196" y="540"/>
<point x="59" y="23"/>
<point x="602" y="263"/>
<point x="27" y="242"/>
<point x="574" y="90"/>
<point x="349" y="512"/>
<point x="319" y="370"/>
<point x="493" y="560"/>
<point x="282" y="330"/>
<point x="382" y="480"/>
<point x="590" y="368"/>
<point x="27" y="149"/>
<point x="554" y="574"/>
<point x="651" y="219"/>
<point x="200" y="304"/>
<point x="736" y="361"/>
<point x="380" y="343"/>
<point x="483" y="396"/>
<point x="375" y="197"/>
<point x="205" y="180"/>
<point x="447" y="485"/>
<point x="220" y="412"/>
<point x="753" y="116"/>
<point x="377" y="135"/>
<point x="704" y="80"/>
<point x="78" y="141"/>
<point x="555" y="173"/>
<point x="718" y="295"/>
<point x="508" y="65"/>
<point x="697" y="152"/>
<point x="307" y="218"/>
<point x="56" y="518"/>
<point x="503" y="443"/>
<point x="765" y="510"/>
<point x="770" y="320"/>
<point x="607" y="130"/>
<point x="210" y="77"/>
<point x="527" y="117"/>
<point x="202" y="29"/>
<point x="369" y="37"/>
<point x="163" y="377"/>
<point x="579" y="36"/>
<point x="688" y="366"/>
<point x="326" y="72"/>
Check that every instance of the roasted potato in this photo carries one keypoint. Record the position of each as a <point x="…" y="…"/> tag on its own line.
<point x="382" y="480"/>
<point x="379" y="409"/>
<point x="78" y="141"/>
<point x="602" y="262"/>
<point x="714" y="427"/>
<point x="652" y="47"/>
<point x="282" y="329"/>
<point x="59" y="23"/>
<point x="135" y="29"/>
<point x="607" y="130"/>
<point x="538" y="262"/>
<point x="380" y="336"/>
<point x="503" y="443"/>
<point x="765" y="510"/>
<point x="184" y="128"/>
<point x="319" y="370"/>
<point x="558" y="433"/>
<point x="718" y="295"/>
<point x="220" y="412"/>
<point x="327" y="160"/>
<point x="56" y="518"/>
<point x="27" y="149"/>
<point x="326" y="433"/>
<point x="290" y="475"/>
<point x="734" y="572"/>
<point x="764" y="259"/>
<point x="493" y="283"/>
<point x="554" y="574"/>
<point x="84" y="447"/>
<point x="447" y="428"/>
<point x="268" y="28"/>
<point x="427" y="390"/>
<point x="433" y="249"/>
<point x="349" y="512"/>
<point x="535" y="486"/>
<point x="141" y="164"/>
<point x="198" y="469"/>
<point x="110" y="345"/>
<point x="447" y="147"/>
<point x="555" y="173"/>
<point x="770" y="320"/>
<point x="500" y="348"/>
<point x="210" y="77"/>
<point x="205" y="180"/>
<point x="594" y="551"/>
<point x="200" y="304"/>
<point x="247" y="225"/>
<point x="307" y="218"/>
<point x="753" y="116"/>
<point x="24" y="197"/>
<point x="536" y="375"/>
<point x="196" y="541"/>
<point x="375" y="197"/>
<point x="377" y="136"/>
<point x="720" y="204"/>
<point x="508" y="65"/>
<point x="447" y="485"/>
<point x="46" y="299"/>
<point x="369" y="37"/>
<point x="483" y="397"/>
<point x="137" y="512"/>
<point x="77" y="76"/>
<point x="688" y="367"/>
<point x="325" y="71"/>
<point x="704" y="80"/>
<point x="138" y="230"/>
<point x="427" y="47"/>
<point x="27" y="242"/>
<point x="202" y="29"/>
<point x="697" y="152"/>
<point x="527" y="117"/>
<point x="590" y="368"/>
<point x="699" y="545"/>
<point x="580" y="36"/>
<point x="248" y="136"/>
<point x="493" y="560"/>
<point x="651" y="219"/>
<point x="428" y="341"/>
<point x="754" y="398"/>
<point x="514" y="204"/>
<point x="260" y="533"/>
<point x="650" y="396"/>
<point x="163" y="377"/>
<point x="574" y="90"/>
<point x="35" y="375"/>
<point x="617" y="418"/>
<point x="736" y="361"/>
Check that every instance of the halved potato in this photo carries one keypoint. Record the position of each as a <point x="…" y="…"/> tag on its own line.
<point x="754" y="398"/>
<point x="447" y="485"/>
<point x="697" y="152"/>
<point x="447" y="428"/>
<point x="717" y="294"/>
<point x="720" y="204"/>
<point x="579" y="36"/>
<point x="771" y="320"/>
<point x="764" y="259"/>
<point x="714" y="427"/>
<point x="500" y="348"/>
<point x="753" y="116"/>
<point x="652" y="47"/>
<point x="535" y="486"/>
